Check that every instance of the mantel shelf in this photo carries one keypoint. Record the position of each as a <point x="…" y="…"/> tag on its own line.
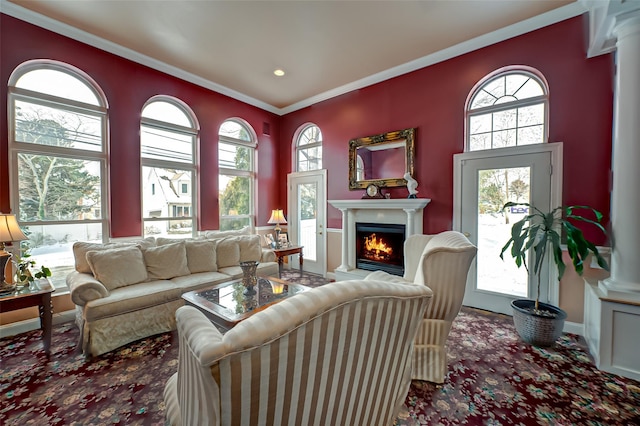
<point x="393" y="203"/>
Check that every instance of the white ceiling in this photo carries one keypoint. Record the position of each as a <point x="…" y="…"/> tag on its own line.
<point x="325" y="47"/>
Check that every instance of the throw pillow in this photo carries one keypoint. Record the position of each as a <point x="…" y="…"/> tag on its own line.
<point x="160" y="241"/>
<point x="201" y="256"/>
<point x="250" y="248"/>
<point x="167" y="261"/>
<point x="216" y="235"/>
<point x="80" y="250"/>
<point x="117" y="267"/>
<point x="228" y="253"/>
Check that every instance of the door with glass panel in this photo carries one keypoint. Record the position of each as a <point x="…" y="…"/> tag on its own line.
<point x="485" y="184"/>
<point x="306" y="221"/>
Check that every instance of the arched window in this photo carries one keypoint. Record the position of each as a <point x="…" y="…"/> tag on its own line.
<point x="57" y="148"/>
<point x="168" y="138"/>
<point x="507" y="108"/>
<point x="309" y="149"/>
<point x="236" y="181"/>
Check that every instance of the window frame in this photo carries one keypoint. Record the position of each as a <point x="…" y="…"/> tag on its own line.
<point x="100" y="111"/>
<point x="512" y="105"/>
<point x="252" y="145"/>
<point x="298" y="147"/>
<point x="192" y="167"/>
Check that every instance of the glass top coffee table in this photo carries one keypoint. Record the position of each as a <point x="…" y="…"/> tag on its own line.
<point x="226" y="305"/>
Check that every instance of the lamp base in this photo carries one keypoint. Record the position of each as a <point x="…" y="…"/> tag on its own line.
<point x="6" y="288"/>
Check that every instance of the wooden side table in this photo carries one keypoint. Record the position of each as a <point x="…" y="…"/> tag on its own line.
<point x="37" y="296"/>
<point x="287" y="251"/>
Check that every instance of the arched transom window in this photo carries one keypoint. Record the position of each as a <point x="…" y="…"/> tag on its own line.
<point x="506" y="109"/>
<point x="309" y="149"/>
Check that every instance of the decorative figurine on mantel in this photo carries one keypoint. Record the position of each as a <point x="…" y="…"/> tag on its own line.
<point x="412" y="184"/>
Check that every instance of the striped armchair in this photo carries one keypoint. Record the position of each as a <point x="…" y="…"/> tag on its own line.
<point x="441" y="262"/>
<point x="339" y="354"/>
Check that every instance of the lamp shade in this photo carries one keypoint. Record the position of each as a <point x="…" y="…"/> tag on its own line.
<point x="9" y="229"/>
<point x="277" y="217"/>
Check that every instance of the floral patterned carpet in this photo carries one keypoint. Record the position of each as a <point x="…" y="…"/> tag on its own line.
<point x="493" y="379"/>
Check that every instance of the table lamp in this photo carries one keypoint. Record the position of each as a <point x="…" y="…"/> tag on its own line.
<point x="9" y="232"/>
<point x="277" y="218"/>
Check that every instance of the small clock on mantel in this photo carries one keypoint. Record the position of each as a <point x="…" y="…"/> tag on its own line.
<point x="373" y="192"/>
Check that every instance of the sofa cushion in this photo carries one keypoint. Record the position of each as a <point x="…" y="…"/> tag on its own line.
<point x="201" y="256"/>
<point x="80" y="250"/>
<point x="227" y="253"/>
<point x="216" y="235"/>
<point x="264" y="269"/>
<point x="166" y="261"/>
<point x="161" y="241"/>
<point x="117" y="267"/>
<point x="249" y="248"/>
<point x="199" y="280"/>
<point x="132" y="298"/>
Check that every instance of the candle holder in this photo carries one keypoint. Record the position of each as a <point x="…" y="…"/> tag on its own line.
<point x="249" y="278"/>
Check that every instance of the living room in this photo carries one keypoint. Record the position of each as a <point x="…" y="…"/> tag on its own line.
<point x="431" y="100"/>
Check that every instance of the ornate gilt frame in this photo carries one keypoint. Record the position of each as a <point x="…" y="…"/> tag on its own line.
<point x="408" y="135"/>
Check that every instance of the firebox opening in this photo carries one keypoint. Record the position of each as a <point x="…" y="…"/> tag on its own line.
<point x="380" y="246"/>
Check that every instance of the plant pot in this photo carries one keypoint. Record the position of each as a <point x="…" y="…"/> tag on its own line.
<point x="535" y="329"/>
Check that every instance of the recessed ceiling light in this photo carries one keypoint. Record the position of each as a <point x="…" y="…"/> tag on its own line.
<point x="279" y="72"/>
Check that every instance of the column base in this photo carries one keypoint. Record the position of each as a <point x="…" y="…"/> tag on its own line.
<point x="620" y="290"/>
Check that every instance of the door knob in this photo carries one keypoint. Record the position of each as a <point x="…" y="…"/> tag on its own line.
<point x="466" y="234"/>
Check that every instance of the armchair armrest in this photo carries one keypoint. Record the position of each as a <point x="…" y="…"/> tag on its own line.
<point x="200" y="347"/>
<point x="85" y="288"/>
<point x="267" y="255"/>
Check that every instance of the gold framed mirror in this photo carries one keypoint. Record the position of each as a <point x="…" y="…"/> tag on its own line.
<point x="381" y="160"/>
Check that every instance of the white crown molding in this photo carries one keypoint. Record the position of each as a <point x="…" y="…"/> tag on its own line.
<point x="532" y="24"/>
<point x="604" y="17"/>
<point x="537" y="22"/>
<point x="58" y="27"/>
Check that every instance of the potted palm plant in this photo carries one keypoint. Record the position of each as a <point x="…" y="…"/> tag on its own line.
<point x="540" y="323"/>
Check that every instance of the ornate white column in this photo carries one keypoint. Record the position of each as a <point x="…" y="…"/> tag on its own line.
<point x="612" y="307"/>
<point x="624" y="282"/>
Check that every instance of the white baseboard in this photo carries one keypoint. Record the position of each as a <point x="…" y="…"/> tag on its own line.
<point x="331" y="276"/>
<point x="34" y="324"/>
<point x="573" y="328"/>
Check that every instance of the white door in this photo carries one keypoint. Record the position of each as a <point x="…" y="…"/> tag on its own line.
<point x="485" y="181"/>
<point x="307" y="218"/>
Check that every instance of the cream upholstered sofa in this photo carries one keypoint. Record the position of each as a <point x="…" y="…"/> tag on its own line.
<point x="339" y="354"/>
<point x="125" y="291"/>
<point x="441" y="262"/>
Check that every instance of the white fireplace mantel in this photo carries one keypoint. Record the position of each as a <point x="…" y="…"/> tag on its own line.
<point x="404" y="211"/>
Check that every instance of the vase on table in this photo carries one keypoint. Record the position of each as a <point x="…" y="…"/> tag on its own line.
<point x="249" y="277"/>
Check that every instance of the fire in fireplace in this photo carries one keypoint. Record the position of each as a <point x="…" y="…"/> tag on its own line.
<point x="379" y="246"/>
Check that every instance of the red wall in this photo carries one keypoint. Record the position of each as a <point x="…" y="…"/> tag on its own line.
<point x="128" y="86"/>
<point x="432" y="100"/>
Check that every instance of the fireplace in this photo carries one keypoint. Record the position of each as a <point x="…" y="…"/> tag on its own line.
<point x="379" y="247"/>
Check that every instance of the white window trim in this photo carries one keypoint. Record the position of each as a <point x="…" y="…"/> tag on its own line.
<point x="297" y="147"/>
<point x="14" y="147"/>
<point x="191" y="167"/>
<point x="251" y="174"/>
<point x="515" y="69"/>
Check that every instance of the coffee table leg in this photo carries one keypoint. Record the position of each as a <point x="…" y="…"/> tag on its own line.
<point x="46" y="320"/>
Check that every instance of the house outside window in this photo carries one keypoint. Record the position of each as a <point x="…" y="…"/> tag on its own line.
<point x="58" y="160"/>
<point x="236" y="164"/>
<point x="309" y="149"/>
<point x="168" y="137"/>
<point x="508" y="108"/>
